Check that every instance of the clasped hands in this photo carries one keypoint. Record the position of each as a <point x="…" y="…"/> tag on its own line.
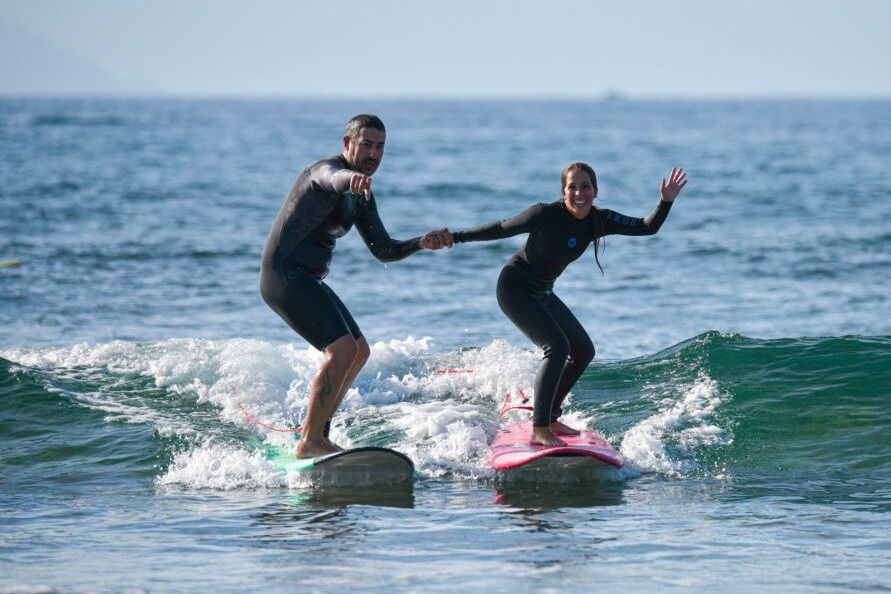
<point x="437" y="239"/>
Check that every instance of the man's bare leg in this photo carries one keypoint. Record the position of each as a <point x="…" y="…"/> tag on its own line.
<point x="323" y="391"/>
<point x="358" y="363"/>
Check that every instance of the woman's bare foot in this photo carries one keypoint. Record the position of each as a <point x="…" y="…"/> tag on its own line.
<point x="310" y="448"/>
<point x="563" y="429"/>
<point x="544" y="436"/>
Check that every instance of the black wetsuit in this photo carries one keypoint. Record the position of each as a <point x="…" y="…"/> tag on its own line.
<point x="298" y="252"/>
<point x="525" y="287"/>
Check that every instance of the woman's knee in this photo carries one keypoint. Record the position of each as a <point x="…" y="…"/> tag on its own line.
<point x="583" y="352"/>
<point x="557" y="349"/>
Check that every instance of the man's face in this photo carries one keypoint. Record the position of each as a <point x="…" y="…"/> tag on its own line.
<point x="364" y="153"/>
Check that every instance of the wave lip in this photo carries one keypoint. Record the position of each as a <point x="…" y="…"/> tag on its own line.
<point x="683" y="425"/>
<point x="717" y="406"/>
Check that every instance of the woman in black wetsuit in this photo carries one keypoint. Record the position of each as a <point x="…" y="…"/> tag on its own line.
<point x="559" y="233"/>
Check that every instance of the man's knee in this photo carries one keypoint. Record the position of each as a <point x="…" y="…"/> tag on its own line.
<point x="343" y="351"/>
<point x="363" y="351"/>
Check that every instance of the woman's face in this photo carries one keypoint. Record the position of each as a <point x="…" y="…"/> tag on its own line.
<point x="579" y="193"/>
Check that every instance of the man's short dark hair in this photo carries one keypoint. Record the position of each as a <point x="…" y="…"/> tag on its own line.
<point x="363" y="120"/>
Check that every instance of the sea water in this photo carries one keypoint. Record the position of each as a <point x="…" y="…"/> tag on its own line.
<point x="743" y="354"/>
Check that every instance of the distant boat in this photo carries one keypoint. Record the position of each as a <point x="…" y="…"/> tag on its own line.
<point x="614" y="95"/>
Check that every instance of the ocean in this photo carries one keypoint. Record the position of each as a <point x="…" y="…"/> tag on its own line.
<point x="743" y="361"/>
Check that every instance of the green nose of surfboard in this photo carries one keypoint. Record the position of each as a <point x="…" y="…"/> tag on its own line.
<point x="365" y="465"/>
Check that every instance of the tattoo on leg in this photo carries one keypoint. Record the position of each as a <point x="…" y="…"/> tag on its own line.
<point x="324" y="388"/>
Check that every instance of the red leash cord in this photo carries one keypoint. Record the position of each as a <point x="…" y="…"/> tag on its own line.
<point x="506" y="406"/>
<point x="260" y="423"/>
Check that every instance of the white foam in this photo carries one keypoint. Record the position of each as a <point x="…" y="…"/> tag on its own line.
<point x="686" y="424"/>
<point x="497" y="369"/>
<point x="399" y="392"/>
<point x="215" y="466"/>
<point x="424" y="404"/>
<point x="443" y="437"/>
<point x="35" y="589"/>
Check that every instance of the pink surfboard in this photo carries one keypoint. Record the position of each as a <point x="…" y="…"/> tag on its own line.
<point x="511" y="449"/>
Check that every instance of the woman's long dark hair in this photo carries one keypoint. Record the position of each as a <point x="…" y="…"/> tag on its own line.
<point x="579" y="166"/>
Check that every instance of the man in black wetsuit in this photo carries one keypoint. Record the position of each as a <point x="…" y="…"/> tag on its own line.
<point x="329" y="197"/>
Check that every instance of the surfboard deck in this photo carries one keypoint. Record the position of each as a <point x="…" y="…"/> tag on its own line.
<point x="511" y="449"/>
<point x="367" y="464"/>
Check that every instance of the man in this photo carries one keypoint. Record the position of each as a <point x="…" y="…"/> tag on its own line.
<point x="329" y="197"/>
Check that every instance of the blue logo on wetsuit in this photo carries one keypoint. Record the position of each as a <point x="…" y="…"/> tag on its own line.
<point x="572" y="242"/>
<point x="612" y="215"/>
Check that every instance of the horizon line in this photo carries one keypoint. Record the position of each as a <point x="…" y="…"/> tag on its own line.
<point x="608" y="97"/>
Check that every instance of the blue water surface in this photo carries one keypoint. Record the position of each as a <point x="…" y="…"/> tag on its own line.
<point x="742" y="368"/>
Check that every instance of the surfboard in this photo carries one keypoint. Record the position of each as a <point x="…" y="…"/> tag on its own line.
<point x="511" y="449"/>
<point x="365" y="465"/>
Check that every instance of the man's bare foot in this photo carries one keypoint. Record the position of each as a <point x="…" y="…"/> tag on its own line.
<point x="544" y="436"/>
<point x="316" y="447"/>
<point x="559" y="428"/>
<point x="330" y="443"/>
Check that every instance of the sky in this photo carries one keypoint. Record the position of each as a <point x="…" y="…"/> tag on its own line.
<point x="458" y="48"/>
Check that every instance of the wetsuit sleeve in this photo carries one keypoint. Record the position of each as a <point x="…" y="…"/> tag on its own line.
<point x="521" y="223"/>
<point x="615" y="223"/>
<point x="329" y="178"/>
<point x="312" y="202"/>
<point x="379" y="242"/>
<point x="308" y="213"/>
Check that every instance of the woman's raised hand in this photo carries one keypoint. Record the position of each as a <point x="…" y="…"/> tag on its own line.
<point x="676" y="182"/>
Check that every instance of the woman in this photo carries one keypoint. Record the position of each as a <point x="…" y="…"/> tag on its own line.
<point x="559" y="233"/>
